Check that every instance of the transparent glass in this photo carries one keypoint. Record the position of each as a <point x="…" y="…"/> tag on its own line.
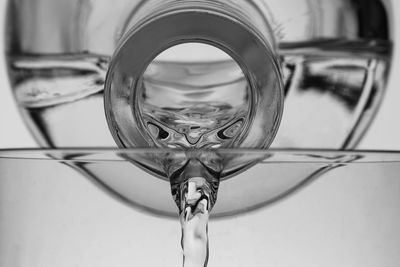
<point x="334" y="57"/>
<point x="77" y="65"/>
<point x="338" y="209"/>
<point x="240" y="31"/>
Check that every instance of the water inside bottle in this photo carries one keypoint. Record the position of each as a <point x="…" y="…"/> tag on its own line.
<point x="62" y="92"/>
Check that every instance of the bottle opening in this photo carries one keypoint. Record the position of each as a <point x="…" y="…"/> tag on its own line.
<point x="204" y="100"/>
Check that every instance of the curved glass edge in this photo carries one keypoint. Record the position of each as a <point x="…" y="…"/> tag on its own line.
<point x="268" y="156"/>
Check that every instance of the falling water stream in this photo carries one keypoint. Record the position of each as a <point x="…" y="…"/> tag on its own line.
<point x="194" y="214"/>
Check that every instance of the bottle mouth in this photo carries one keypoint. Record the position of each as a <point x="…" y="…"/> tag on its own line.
<point x="123" y="89"/>
<point x="194" y="104"/>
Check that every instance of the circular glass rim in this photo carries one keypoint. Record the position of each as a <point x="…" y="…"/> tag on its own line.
<point x="268" y="155"/>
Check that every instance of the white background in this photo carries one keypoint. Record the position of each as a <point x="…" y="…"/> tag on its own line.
<point x="383" y="134"/>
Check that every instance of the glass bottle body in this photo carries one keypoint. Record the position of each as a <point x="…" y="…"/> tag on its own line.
<point x="334" y="56"/>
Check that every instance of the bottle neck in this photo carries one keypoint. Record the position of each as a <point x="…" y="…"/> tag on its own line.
<point x="235" y="30"/>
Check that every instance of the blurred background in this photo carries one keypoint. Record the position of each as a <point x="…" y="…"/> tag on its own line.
<point x="384" y="133"/>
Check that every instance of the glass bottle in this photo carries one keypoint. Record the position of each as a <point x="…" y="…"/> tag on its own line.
<point x="334" y="57"/>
